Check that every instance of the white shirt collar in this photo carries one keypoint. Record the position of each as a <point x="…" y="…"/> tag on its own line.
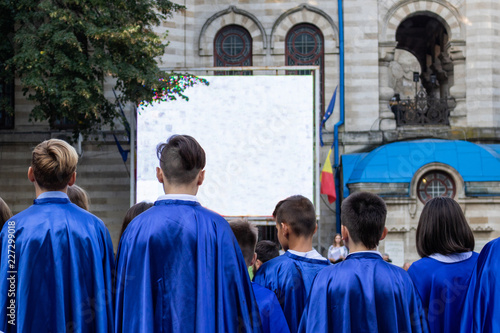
<point x="53" y="194"/>
<point x="184" y="197"/>
<point x="451" y="258"/>
<point x="313" y="254"/>
<point x="372" y="251"/>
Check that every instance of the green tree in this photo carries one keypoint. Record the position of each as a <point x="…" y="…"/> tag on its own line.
<point x="64" y="50"/>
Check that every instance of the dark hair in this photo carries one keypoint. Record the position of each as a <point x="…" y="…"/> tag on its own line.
<point x="79" y="196"/>
<point x="341" y="240"/>
<point x="246" y="234"/>
<point x="363" y="214"/>
<point x="266" y="250"/>
<point x="181" y="159"/>
<point x="132" y="212"/>
<point x="298" y="212"/>
<point x="443" y="229"/>
<point x="5" y="213"/>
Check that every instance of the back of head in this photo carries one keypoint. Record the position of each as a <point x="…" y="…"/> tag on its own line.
<point x="363" y="214"/>
<point x="53" y="162"/>
<point x="134" y="211"/>
<point x="266" y="250"/>
<point x="298" y="212"/>
<point x="5" y="213"/>
<point x="79" y="196"/>
<point x="443" y="229"/>
<point x="246" y="234"/>
<point x="181" y="159"/>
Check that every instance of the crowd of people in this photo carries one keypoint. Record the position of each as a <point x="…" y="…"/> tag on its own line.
<point x="181" y="267"/>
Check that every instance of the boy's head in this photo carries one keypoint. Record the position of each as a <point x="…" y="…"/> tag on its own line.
<point x="53" y="165"/>
<point x="443" y="228"/>
<point x="294" y="216"/>
<point x="363" y="215"/>
<point x="79" y="196"/>
<point x="181" y="159"/>
<point x="265" y="250"/>
<point x="246" y="234"/>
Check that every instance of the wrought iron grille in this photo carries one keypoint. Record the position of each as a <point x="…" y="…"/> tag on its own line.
<point x="423" y="110"/>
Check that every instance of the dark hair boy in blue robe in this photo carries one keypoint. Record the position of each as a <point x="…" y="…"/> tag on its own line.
<point x="290" y="276"/>
<point x="363" y="293"/>
<point x="60" y="278"/>
<point x="179" y="267"/>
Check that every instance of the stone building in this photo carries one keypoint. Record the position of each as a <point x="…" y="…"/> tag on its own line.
<point x="414" y="70"/>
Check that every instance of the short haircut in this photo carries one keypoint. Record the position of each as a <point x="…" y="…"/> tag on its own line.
<point x="443" y="229"/>
<point x="246" y="234"/>
<point x="5" y="213"/>
<point x="181" y="159"/>
<point x="364" y="214"/>
<point x="298" y="212"/>
<point x="266" y="250"/>
<point x="79" y="196"/>
<point x="133" y="212"/>
<point x="53" y="162"/>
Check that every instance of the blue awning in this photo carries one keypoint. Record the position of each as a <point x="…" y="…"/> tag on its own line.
<point x="397" y="162"/>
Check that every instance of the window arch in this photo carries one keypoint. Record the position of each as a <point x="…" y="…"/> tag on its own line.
<point x="435" y="183"/>
<point x="305" y="46"/>
<point x="232" y="47"/>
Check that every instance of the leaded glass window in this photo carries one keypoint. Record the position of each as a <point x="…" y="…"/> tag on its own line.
<point x="435" y="184"/>
<point x="233" y="47"/>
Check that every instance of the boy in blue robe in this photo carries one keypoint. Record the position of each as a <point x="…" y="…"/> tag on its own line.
<point x="363" y="293"/>
<point x="271" y="315"/>
<point x="60" y="278"/>
<point x="179" y="267"/>
<point x="480" y="313"/>
<point x="290" y="276"/>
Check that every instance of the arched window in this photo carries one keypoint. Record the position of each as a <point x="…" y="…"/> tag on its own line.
<point x="435" y="184"/>
<point x="233" y="47"/>
<point x="304" y="46"/>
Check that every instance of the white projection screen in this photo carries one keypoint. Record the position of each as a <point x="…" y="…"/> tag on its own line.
<point x="258" y="135"/>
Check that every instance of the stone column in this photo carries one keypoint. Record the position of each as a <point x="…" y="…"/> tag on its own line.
<point x="458" y="117"/>
<point x="386" y="55"/>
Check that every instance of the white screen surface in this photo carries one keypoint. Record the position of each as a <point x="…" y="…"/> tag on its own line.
<point x="257" y="133"/>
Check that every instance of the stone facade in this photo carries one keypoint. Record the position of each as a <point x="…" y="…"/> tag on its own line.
<point x="464" y="59"/>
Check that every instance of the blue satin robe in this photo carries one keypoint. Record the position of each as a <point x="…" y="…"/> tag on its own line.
<point x="180" y="269"/>
<point x="290" y="277"/>
<point x="363" y="293"/>
<point x="482" y="306"/>
<point x="64" y="261"/>
<point x="442" y="288"/>
<point x="271" y="314"/>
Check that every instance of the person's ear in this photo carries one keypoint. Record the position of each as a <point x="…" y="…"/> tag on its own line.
<point x="72" y="180"/>
<point x="201" y="177"/>
<point x="384" y="233"/>
<point x="31" y="175"/>
<point x="345" y="233"/>
<point x="315" y="229"/>
<point x="285" y="229"/>
<point x="254" y="259"/>
<point x="258" y="263"/>
<point x="159" y="175"/>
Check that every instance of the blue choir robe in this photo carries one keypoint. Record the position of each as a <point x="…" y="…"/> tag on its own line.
<point x="271" y="314"/>
<point x="442" y="287"/>
<point x="64" y="262"/>
<point x="482" y="305"/>
<point x="363" y="293"/>
<point x="290" y="277"/>
<point x="180" y="269"/>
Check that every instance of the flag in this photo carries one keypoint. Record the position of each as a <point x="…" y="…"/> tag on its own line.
<point x="327" y="115"/>
<point x="327" y="180"/>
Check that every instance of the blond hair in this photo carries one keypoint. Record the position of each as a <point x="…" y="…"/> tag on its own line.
<point x="5" y="213"/>
<point x="53" y="162"/>
<point x="79" y="196"/>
